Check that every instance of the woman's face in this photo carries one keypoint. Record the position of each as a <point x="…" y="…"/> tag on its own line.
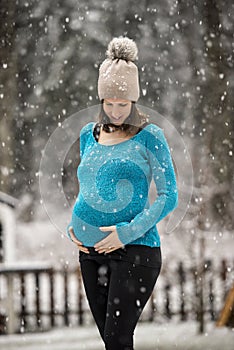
<point x="117" y="109"/>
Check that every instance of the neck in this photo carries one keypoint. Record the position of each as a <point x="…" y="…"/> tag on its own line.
<point x="112" y="127"/>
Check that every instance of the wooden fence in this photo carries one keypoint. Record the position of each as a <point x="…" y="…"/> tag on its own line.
<point x="41" y="298"/>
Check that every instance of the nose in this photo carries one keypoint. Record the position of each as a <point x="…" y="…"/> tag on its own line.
<point x="116" y="111"/>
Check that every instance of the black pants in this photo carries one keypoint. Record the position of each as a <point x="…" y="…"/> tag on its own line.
<point x="117" y="292"/>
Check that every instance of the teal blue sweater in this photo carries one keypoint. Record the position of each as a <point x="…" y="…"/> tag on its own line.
<point x="114" y="184"/>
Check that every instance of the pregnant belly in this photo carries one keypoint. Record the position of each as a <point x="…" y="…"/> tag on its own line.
<point x="86" y="220"/>
<point x="88" y="234"/>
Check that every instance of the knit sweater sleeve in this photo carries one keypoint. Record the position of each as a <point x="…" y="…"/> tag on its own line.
<point x="163" y="174"/>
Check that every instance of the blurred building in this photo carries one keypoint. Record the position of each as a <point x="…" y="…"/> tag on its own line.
<point x="7" y="227"/>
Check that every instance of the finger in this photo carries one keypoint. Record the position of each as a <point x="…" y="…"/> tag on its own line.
<point x="73" y="237"/>
<point x="103" y="243"/>
<point x="106" y="246"/>
<point x="103" y="247"/>
<point x="75" y="240"/>
<point x="111" y="250"/>
<point x="114" y="248"/>
<point x="107" y="228"/>
<point x="71" y="232"/>
<point x="79" y="245"/>
<point x="83" y="249"/>
<point x="70" y="229"/>
<point x="101" y="251"/>
<point x="107" y="249"/>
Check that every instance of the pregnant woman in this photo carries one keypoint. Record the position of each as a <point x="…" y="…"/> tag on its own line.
<point x="113" y="223"/>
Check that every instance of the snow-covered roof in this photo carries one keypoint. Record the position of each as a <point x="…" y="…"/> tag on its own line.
<point x="8" y="200"/>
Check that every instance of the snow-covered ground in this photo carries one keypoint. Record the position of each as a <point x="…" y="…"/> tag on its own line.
<point x="182" y="336"/>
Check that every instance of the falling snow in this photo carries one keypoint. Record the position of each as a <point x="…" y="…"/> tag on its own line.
<point x="49" y="68"/>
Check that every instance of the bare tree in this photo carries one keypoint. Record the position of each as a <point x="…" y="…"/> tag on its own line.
<point x="8" y="70"/>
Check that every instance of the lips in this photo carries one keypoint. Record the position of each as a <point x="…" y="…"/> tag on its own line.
<point x="116" y="118"/>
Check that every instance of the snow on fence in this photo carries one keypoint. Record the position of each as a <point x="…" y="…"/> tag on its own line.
<point x="41" y="298"/>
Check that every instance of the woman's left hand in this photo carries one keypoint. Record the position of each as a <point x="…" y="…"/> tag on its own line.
<point x="110" y="243"/>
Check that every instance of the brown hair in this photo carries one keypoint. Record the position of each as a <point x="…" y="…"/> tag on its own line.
<point x="131" y="125"/>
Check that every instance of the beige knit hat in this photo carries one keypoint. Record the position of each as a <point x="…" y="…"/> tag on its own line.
<point x="118" y="75"/>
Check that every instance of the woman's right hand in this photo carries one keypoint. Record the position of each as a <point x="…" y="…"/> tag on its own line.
<point x="78" y="243"/>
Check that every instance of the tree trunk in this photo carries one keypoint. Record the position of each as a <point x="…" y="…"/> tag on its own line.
<point x="8" y="61"/>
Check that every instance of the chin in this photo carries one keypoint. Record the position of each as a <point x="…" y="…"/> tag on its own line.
<point x="117" y="121"/>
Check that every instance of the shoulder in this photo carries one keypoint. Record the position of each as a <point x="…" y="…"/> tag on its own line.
<point x="154" y="132"/>
<point x="85" y="136"/>
<point x="155" y="138"/>
<point x="153" y="129"/>
<point x="87" y="128"/>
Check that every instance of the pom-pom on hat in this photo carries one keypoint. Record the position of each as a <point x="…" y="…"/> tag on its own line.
<point x="118" y="75"/>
